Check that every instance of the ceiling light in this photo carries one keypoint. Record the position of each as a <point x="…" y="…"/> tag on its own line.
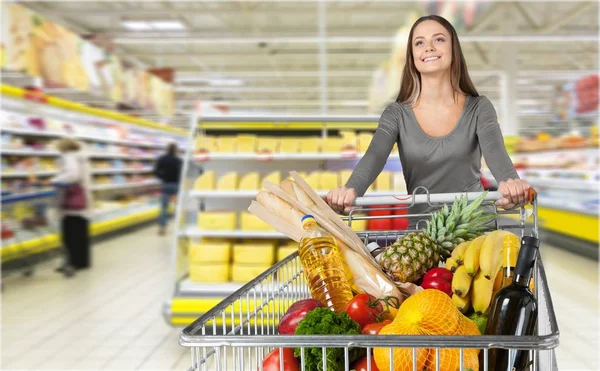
<point x="167" y="25"/>
<point x="136" y="25"/>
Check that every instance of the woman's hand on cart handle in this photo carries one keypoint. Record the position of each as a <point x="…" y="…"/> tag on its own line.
<point x="515" y="193"/>
<point x="341" y="199"/>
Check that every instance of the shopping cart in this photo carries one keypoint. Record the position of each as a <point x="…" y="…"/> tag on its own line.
<point x="239" y="332"/>
<point x="28" y="228"/>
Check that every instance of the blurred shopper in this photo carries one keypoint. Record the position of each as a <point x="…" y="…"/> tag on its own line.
<point x="441" y="124"/>
<point x="168" y="170"/>
<point x="75" y="203"/>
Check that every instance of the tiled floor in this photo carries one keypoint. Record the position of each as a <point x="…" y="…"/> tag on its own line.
<point x="110" y="317"/>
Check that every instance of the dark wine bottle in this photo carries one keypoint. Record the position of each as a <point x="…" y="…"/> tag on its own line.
<point x="514" y="311"/>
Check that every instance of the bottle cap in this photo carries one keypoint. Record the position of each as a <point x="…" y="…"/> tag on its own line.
<point x="307" y="216"/>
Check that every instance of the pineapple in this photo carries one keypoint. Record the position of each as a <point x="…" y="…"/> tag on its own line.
<point x="407" y="259"/>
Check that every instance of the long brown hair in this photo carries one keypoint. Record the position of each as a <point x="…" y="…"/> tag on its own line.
<point x="410" y="87"/>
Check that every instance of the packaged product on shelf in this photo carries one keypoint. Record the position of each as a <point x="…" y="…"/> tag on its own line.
<point x="207" y="252"/>
<point x="205" y="144"/>
<point x="250" y="222"/>
<point x="289" y="145"/>
<point x="250" y="253"/>
<point x="209" y="273"/>
<point x="243" y="273"/>
<point x="344" y="176"/>
<point x="217" y="220"/>
<point x="349" y="140"/>
<point x="246" y="143"/>
<point x="273" y="177"/>
<point x="384" y="181"/>
<point x="287" y="249"/>
<point x="206" y="181"/>
<point x="267" y="144"/>
<point x="228" y="182"/>
<point x="332" y="145"/>
<point x="329" y="180"/>
<point x="250" y="182"/>
<point x="314" y="180"/>
<point x="364" y="139"/>
<point x="227" y="144"/>
<point x="310" y="145"/>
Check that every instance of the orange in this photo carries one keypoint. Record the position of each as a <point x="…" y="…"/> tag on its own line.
<point x="450" y="360"/>
<point x="467" y="327"/>
<point x="431" y="311"/>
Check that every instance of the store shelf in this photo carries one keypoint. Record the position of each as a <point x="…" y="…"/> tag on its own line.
<point x="25" y="174"/>
<point x="559" y="152"/>
<point x="188" y="287"/>
<point x="120" y="141"/>
<point x="105" y="187"/>
<point x="251" y="194"/>
<point x="121" y="171"/>
<point x="36" y="133"/>
<point x="281" y="156"/>
<point x="121" y="156"/>
<point x="238" y="233"/>
<point x="557" y="178"/>
<point x="28" y="152"/>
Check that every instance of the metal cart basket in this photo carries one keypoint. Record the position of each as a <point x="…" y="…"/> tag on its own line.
<point x="239" y="332"/>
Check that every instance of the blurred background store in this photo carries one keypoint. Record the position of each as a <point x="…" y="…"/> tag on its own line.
<point x="250" y="90"/>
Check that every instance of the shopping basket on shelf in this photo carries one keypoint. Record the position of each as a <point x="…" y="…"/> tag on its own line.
<point x="239" y="332"/>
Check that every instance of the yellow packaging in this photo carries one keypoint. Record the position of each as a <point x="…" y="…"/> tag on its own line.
<point x="384" y="181"/>
<point x="227" y="144"/>
<point x="330" y="180"/>
<point x="209" y="252"/>
<point x="217" y="220"/>
<point x="250" y="222"/>
<point x="344" y="176"/>
<point x="215" y="273"/>
<point x="314" y="180"/>
<point x="310" y="145"/>
<point x="270" y="144"/>
<point x="359" y="225"/>
<point x="207" y="143"/>
<point x="289" y="145"/>
<point x="364" y="139"/>
<point x="332" y="145"/>
<point x="349" y="139"/>
<point x="246" y="143"/>
<point x="228" y="182"/>
<point x="205" y="182"/>
<point x="286" y="250"/>
<point x="244" y="273"/>
<point x="250" y="182"/>
<point x="274" y="177"/>
<point x="399" y="183"/>
<point x="254" y="254"/>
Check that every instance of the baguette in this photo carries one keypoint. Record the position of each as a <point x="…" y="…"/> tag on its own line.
<point x="295" y="191"/>
<point x="281" y="225"/>
<point x="279" y="207"/>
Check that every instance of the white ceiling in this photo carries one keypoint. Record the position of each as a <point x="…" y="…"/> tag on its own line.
<point x="271" y="49"/>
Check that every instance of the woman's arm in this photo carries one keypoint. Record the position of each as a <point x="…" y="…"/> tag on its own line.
<point x="492" y="146"/>
<point x="70" y="171"/>
<point x="377" y="154"/>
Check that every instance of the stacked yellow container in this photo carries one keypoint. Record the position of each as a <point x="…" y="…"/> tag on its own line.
<point x="251" y="259"/>
<point x="209" y="261"/>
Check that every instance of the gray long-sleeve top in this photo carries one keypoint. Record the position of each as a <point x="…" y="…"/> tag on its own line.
<point x="446" y="164"/>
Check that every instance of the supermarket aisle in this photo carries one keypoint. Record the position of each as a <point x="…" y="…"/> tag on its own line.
<point x="109" y="318"/>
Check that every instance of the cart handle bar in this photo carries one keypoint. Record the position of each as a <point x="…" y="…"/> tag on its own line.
<point x="428" y="198"/>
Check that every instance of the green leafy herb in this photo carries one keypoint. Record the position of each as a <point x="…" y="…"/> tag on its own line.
<point x="324" y="321"/>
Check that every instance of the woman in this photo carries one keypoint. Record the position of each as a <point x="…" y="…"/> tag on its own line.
<point x="75" y="204"/>
<point x="441" y="124"/>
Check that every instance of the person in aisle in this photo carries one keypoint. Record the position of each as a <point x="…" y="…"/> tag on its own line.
<point x="168" y="170"/>
<point x="73" y="183"/>
<point x="441" y="124"/>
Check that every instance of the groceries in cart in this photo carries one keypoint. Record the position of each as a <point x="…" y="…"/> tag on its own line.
<point x="445" y="279"/>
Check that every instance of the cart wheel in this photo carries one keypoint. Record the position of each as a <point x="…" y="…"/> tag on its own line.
<point x="28" y="273"/>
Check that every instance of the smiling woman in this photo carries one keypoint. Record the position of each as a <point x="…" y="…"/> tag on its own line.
<point x="441" y="124"/>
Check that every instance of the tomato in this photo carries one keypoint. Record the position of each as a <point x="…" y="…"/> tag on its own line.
<point x="440" y="272"/>
<point x="374" y="328"/>
<point x="361" y="364"/>
<point x="364" y="309"/>
<point x="290" y="363"/>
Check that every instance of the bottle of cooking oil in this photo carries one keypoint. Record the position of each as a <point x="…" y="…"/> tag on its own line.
<point x="324" y="266"/>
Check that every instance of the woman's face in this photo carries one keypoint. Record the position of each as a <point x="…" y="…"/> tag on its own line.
<point x="431" y="47"/>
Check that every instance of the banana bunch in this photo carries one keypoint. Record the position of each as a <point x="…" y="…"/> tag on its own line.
<point x="477" y="267"/>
